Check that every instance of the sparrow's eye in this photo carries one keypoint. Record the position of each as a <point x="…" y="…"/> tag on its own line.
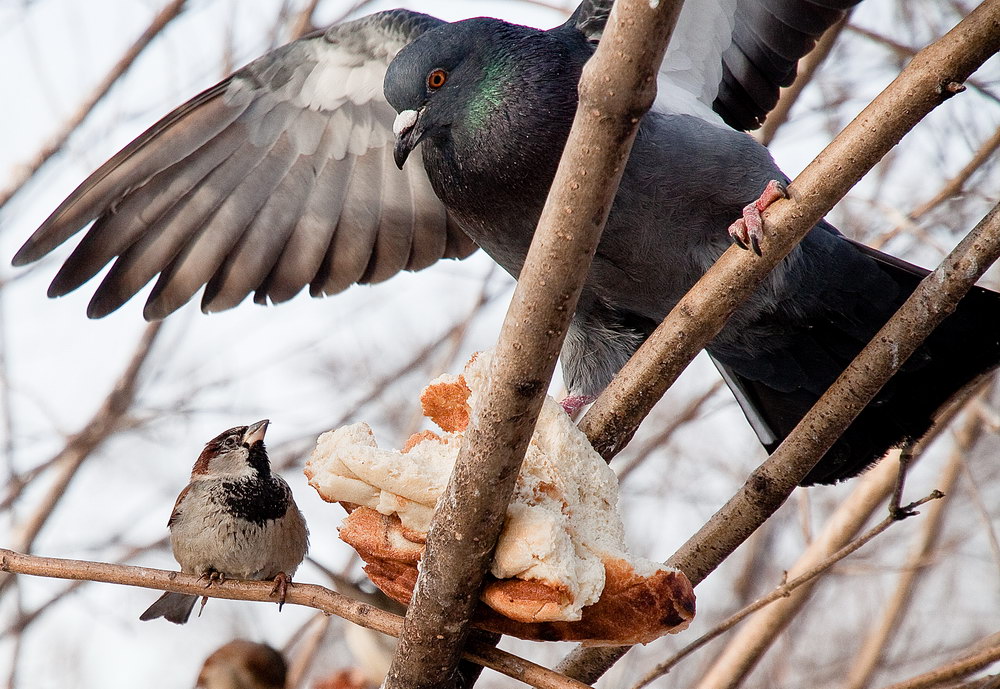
<point x="229" y="443"/>
<point x="436" y="79"/>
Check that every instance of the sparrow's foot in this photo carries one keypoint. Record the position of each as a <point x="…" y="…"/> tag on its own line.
<point x="749" y="229"/>
<point x="281" y="583"/>
<point x="212" y="577"/>
<point x="574" y="403"/>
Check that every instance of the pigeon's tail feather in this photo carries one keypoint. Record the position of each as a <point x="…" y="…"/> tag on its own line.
<point x="963" y="349"/>
<point x="175" y="607"/>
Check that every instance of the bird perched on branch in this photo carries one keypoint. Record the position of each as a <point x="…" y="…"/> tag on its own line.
<point x="283" y="176"/>
<point x="235" y="519"/>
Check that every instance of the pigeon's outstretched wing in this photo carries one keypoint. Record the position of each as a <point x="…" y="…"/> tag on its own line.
<point x="728" y="58"/>
<point x="278" y="177"/>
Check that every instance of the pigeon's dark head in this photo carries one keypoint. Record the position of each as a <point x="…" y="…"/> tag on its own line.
<point x="479" y="83"/>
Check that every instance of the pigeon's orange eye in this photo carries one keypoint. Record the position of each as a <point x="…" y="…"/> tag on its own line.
<point x="436" y="78"/>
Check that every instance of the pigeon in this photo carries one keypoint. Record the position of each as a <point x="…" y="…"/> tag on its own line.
<point x="397" y="139"/>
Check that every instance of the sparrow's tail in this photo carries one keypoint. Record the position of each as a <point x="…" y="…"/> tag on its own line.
<point x="175" y="607"/>
<point x="964" y="348"/>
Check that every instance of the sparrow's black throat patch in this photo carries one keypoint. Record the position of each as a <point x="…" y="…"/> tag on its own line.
<point x="256" y="500"/>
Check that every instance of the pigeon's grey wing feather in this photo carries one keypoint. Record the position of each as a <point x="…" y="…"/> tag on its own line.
<point x="768" y="39"/>
<point x="727" y="59"/>
<point x="279" y="177"/>
<point x="590" y="18"/>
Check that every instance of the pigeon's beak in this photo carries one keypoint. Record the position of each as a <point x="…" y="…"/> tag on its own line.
<point x="255" y="432"/>
<point x="408" y="135"/>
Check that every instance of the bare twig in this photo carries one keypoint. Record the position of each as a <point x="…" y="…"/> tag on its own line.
<point x="785" y="589"/>
<point x="905" y="51"/>
<point x="949" y="189"/>
<point x="303" y="24"/>
<point x="104" y="423"/>
<point x="745" y="649"/>
<point x="685" y="415"/>
<point x="301" y="662"/>
<point x="874" y="645"/>
<point x="308" y="595"/>
<point x="28" y="170"/>
<point x="617" y="87"/>
<point x="957" y="670"/>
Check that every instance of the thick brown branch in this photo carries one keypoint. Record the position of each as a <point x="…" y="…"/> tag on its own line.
<point x="933" y="300"/>
<point x="27" y="171"/>
<point x="617" y="87"/>
<point x="308" y="595"/>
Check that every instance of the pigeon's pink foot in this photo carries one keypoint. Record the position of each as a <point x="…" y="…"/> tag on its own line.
<point x="574" y="403"/>
<point x="749" y="230"/>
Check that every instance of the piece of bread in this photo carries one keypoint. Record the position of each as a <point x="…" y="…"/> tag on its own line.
<point x="561" y="569"/>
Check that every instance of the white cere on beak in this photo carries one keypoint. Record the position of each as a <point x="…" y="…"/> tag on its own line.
<point x="404" y="121"/>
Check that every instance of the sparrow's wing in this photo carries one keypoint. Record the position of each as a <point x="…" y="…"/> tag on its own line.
<point x="727" y="59"/>
<point x="176" y="512"/>
<point x="278" y="177"/>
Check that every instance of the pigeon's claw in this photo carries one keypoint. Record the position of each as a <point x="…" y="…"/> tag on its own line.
<point x="281" y="583"/>
<point x="749" y="229"/>
<point x="574" y="403"/>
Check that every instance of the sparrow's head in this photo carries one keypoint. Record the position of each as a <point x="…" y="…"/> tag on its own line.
<point x="244" y="665"/>
<point x="236" y="453"/>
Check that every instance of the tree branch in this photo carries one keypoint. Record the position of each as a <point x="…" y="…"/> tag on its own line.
<point x="933" y="76"/>
<point x="28" y="170"/>
<point x="308" y="595"/>
<point x="79" y="447"/>
<point x="874" y="645"/>
<point x="784" y="590"/>
<point x="957" y="670"/>
<point x="617" y="87"/>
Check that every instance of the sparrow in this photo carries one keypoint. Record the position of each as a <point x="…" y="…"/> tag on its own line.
<point x="242" y="664"/>
<point x="234" y="519"/>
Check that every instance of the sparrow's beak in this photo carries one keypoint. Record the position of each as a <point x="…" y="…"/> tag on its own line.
<point x="255" y="432"/>
<point x="408" y="135"/>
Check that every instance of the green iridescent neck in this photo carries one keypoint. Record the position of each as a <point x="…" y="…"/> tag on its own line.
<point x="490" y="96"/>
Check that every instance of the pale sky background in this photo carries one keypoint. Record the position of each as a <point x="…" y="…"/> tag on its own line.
<point x="305" y="363"/>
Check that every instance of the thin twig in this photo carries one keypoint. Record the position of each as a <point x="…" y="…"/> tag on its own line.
<point x="55" y="144"/>
<point x="948" y="190"/>
<point x="105" y="422"/>
<point x="952" y="671"/>
<point x="308" y="595"/>
<point x="302" y="662"/>
<point x="906" y="52"/>
<point x="873" y="647"/>
<point x="785" y="589"/>
<point x="686" y="415"/>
